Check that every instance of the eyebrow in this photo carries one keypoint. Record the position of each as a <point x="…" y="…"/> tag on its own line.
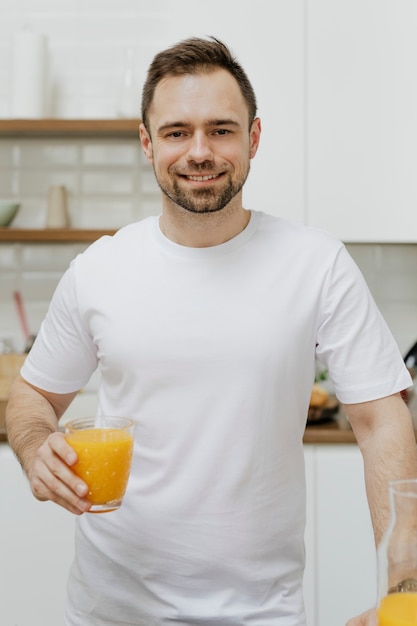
<point x="208" y="123"/>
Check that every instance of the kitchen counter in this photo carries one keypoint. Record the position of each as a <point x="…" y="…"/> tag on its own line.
<point x="319" y="433"/>
<point x="336" y="430"/>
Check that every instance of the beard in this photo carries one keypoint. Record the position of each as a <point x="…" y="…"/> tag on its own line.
<point x="204" y="200"/>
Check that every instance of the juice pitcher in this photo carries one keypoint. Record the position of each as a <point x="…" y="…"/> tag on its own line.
<point x="397" y="558"/>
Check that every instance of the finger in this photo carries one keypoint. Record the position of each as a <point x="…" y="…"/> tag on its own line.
<point x="55" y="491"/>
<point x="60" y="447"/>
<point x="52" y="479"/>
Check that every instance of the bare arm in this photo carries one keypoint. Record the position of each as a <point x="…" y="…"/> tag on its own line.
<point x="32" y="417"/>
<point x="385" y="435"/>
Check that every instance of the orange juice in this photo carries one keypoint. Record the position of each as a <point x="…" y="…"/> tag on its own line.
<point x="398" y="609"/>
<point x="104" y="459"/>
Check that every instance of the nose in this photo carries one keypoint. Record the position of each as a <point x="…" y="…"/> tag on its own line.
<point x="199" y="149"/>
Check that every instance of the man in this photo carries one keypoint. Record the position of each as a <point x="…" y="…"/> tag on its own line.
<point x="205" y="324"/>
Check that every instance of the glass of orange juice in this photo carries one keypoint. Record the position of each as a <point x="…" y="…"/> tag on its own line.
<point x="398" y="609"/>
<point x="397" y="558"/>
<point x="104" y="446"/>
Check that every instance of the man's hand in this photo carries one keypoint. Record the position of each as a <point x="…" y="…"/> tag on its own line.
<point x="32" y="417"/>
<point x="51" y="477"/>
<point x="369" y="618"/>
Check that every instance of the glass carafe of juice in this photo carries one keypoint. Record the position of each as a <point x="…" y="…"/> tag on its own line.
<point x="397" y="558"/>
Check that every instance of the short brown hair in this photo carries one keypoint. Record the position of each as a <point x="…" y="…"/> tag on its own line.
<point x="192" y="56"/>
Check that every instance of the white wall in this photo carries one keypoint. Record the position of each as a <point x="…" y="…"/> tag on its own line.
<point x="87" y="47"/>
<point x="108" y="182"/>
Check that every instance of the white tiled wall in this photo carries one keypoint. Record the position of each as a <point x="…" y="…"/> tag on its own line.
<point x="108" y="181"/>
<point x="87" y="43"/>
<point x="391" y="273"/>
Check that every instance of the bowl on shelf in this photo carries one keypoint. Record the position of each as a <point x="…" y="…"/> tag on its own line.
<point x="8" y="211"/>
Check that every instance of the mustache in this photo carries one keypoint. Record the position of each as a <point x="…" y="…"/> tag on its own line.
<point x="198" y="168"/>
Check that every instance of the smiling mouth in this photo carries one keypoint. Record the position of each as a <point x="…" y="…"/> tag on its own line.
<point x="200" y="179"/>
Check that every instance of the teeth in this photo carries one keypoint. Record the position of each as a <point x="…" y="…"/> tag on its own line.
<point x="201" y="178"/>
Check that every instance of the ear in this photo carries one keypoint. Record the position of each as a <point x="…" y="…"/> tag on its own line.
<point x="255" y="135"/>
<point x="146" y="142"/>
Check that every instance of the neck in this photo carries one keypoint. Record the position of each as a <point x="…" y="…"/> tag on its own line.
<point x="202" y="230"/>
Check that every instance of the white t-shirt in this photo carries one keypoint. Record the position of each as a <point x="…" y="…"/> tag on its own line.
<point x="212" y="352"/>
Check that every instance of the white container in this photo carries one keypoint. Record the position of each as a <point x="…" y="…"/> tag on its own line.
<point x="28" y="76"/>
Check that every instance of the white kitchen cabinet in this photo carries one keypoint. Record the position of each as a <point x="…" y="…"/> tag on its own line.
<point x="340" y="579"/>
<point x="36" y="551"/>
<point x="310" y="573"/>
<point x="361" y="119"/>
<point x="36" y="542"/>
<point x="268" y="39"/>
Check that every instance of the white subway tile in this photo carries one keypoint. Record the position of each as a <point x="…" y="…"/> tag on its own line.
<point x="103" y="214"/>
<point x="6" y="154"/>
<point x="62" y="26"/>
<point x="10" y="327"/>
<point x="39" y="286"/>
<point x="62" y="7"/>
<point x="402" y="320"/>
<point x="149" y="184"/>
<point x="102" y="107"/>
<point x="32" y="213"/>
<point x="53" y="257"/>
<point x="70" y="107"/>
<point x="8" y="182"/>
<point x="364" y="256"/>
<point x="399" y="287"/>
<point x="64" y="58"/>
<point x="108" y="6"/>
<point x="118" y="27"/>
<point x="150" y="207"/>
<point x="109" y="153"/>
<point x="7" y="287"/>
<point x="37" y="181"/>
<point x="110" y="182"/>
<point x="36" y="311"/>
<point x="47" y="154"/>
<point x="105" y="56"/>
<point x="9" y="257"/>
<point x="4" y="61"/>
<point x="396" y="258"/>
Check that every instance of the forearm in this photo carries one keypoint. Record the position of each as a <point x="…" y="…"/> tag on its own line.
<point x="30" y="419"/>
<point x="31" y="416"/>
<point x="385" y="435"/>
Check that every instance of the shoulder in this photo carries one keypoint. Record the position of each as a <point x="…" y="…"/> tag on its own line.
<point x="125" y="236"/>
<point x="297" y="236"/>
<point x="123" y="242"/>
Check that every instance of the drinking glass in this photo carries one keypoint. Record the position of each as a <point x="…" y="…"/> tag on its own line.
<point x="104" y="446"/>
<point x="397" y="558"/>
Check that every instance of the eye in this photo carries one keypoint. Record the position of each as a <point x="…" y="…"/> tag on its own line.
<point x="175" y="134"/>
<point x="222" y="131"/>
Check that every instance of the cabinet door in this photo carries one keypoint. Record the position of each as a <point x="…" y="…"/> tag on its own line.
<point x="345" y="550"/>
<point x="36" y="551"/>
<point x="268" y="39"/>
<point x="361" y="119"/>
<point x="310" y="587"/>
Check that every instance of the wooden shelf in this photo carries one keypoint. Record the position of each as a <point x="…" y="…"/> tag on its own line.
<point x="51" y="235"/>
<point x="116" y="128"/>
